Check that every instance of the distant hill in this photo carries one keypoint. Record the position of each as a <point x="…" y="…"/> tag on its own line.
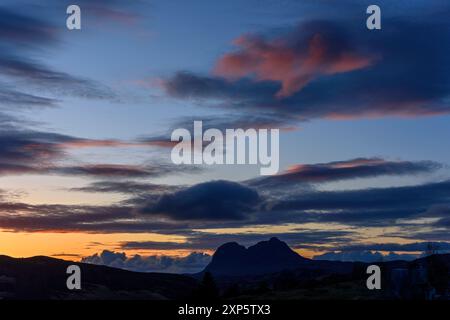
<point x="45" y="278"/>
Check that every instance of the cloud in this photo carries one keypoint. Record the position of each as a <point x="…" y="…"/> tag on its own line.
<point x="25" y="151"/>
<point x="111" y="170"/>
<point x="29" y="151"/>
<point x="331" y="69"/>
<point x="211" y="241"/>
<point x="125" y="187"/>
<point x="214" y="200"/>
<point x="24" y="29"/>
<point x="11" y="97"/>
<point x="365" y="256"/>
<point x="192" y="263"/>
<point x="409" y="247"/>
<point x="36" y="75"/>
<point x="184" y="84"/>
<point x="25" y="35"/>
<point x="365" y="207"/>
<point x="225" y="121"/>
<point x="58" y="218"/>
<point x="122" y="171"/>
<point x="28" y="147"/>
<point x="292" y="64"/>
<point x="418" y="233"/>
<point x="343" y="170"/>
<point x="223" y="204"/>
<point x="16" y="216"/>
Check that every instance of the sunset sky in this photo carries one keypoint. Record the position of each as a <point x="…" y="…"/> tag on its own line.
<point x="86" y="117"/>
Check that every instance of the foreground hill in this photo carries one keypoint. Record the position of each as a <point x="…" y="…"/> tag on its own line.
<point x="45" y="278"/>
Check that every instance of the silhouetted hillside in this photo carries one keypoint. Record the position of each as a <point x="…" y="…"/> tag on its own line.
<point x="45" y="278"/>
<point x="267" y="270"/>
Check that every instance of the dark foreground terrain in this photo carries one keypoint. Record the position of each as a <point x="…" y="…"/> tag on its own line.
<point x="45" y="278"/>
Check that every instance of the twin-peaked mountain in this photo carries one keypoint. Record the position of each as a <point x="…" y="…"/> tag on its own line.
<point x="233" y="259"/>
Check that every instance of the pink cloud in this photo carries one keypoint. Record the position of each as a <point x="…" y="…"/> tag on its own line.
<point x="294" y="67"/>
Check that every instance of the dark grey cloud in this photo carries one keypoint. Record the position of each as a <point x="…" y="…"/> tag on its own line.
<point x="430" y="232"/>
<point x="25" y="151"/>
<point x="344" y="170"/>
<point x="205" y="206"/>
<point x="225" y="121"/>
<point x="366" y="256"/>
<point x="35" y="75"/>
<point x="25" y="35"/>
<point x="125" y="187"/>
<point x="408" y="247"/>
<point x="300" y="239"/>
<point x="373" y="207"/>
<point x="14" y="98"/>
<point x="25" y="30"/>
<point x="16" y="216"/>
<point x="379" y="205"/>
<point x="436" y="234"/>
<point x="214" y="200"/>
<point x="30" y="151"/>
<point x="444" y="222"/>
<point x="224" y="204"/>
<point x="30" y="148"/>
<point x="26" y="217"/>
<point x="217" y="204"/>
<point x="113" y="170"/>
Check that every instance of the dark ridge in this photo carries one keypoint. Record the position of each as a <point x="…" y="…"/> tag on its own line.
<point x="43" y="277"/>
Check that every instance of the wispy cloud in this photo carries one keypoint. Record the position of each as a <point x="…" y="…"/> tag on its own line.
<point x="22" y="36"/>
<point x="345" y="170"/>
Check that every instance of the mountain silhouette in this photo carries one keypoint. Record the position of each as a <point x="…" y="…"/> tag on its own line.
<point x="233" y="259"/>
<point x="271" y="269"/>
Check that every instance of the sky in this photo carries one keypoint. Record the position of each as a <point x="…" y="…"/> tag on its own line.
<point x="86" y="118"/>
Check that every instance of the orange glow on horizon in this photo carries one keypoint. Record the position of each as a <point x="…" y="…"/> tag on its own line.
<point x="74" y="246"/>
